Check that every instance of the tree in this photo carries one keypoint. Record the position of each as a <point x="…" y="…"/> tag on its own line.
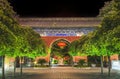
<point x="73" y="49"/>
<point x="29" y="44"/>
<point x="98" y="44"/>
<point x="17" y="42"/>
<point x="7" y="37"/>
<point x="37" y="45"/>
<point x="111" y="19"/>
<point x="6" y="45"/>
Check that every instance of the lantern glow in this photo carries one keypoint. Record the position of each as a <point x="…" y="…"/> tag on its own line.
<point x="61" y="44"/>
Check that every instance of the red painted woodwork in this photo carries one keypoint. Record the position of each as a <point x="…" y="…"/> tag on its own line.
<point x="50" y="39"/>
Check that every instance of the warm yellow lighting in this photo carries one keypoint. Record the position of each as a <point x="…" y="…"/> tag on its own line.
<point x="35" y="62"/>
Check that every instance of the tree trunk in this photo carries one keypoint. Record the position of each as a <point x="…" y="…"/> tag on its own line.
<point x="101" y="64"/>
<point x="3" y="65"/>
<point x="14" y="68"/>
<point x="21" y="66"/>
<point x="119" y="56"/>
<point x="72" y="61"/>
<point x="109" y="66"/>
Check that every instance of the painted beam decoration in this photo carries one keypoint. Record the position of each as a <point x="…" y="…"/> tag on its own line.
<point x="63" y="31"/>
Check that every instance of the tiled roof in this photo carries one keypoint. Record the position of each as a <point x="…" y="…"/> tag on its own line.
<point x="60" y="22"/>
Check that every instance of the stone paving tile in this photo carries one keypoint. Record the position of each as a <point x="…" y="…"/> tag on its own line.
<point x="63" y="73"/>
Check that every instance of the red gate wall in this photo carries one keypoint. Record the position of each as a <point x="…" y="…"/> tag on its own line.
<point x="50" y="39"/>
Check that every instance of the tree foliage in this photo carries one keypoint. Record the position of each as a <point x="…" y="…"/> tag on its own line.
<point x="7" y="37"/>
<point x="73" y="48"/>
<point x="25" y="39"/>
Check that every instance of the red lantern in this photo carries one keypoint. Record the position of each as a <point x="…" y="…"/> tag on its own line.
<point x="61" y="44"/>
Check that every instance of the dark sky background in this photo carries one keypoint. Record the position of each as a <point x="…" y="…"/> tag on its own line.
<point x="57" y="8"/>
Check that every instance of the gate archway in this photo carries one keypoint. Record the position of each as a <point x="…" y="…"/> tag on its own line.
<point x="59" y="53"/>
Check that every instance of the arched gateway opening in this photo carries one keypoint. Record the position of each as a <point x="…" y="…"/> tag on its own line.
<point x="59" y="53"/>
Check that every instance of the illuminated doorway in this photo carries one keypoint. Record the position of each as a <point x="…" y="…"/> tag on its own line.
<point x="59" y="53"/>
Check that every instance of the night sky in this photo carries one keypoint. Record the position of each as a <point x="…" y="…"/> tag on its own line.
<point x="57" y="8"/>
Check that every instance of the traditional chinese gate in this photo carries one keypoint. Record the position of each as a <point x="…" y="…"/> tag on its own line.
<point x="69" y="29"/>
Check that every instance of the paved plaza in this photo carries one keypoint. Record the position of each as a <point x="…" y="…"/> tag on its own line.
<point x="63" y="73"/>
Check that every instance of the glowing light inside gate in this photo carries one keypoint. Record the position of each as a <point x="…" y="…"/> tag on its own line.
<point x="61" y="44"/>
